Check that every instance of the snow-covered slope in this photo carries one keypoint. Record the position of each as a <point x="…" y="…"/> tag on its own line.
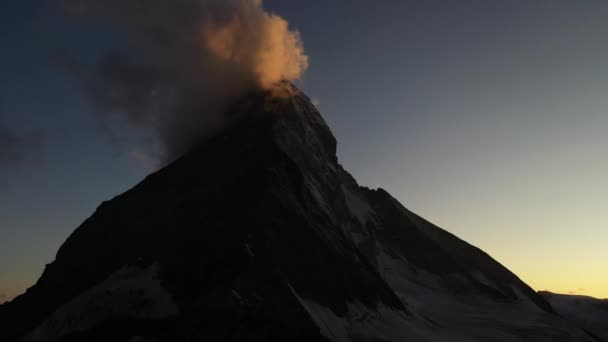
<point x="131" y="292"/>
<point x="260" y="235"/>
<point x="587" y="312"/>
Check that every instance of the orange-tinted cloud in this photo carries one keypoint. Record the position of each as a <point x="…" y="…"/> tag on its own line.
<point x="259" y="42"/>
<point x="185" y="62"/>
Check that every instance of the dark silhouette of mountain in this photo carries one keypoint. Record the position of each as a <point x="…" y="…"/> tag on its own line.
<point x="260" y="235"/>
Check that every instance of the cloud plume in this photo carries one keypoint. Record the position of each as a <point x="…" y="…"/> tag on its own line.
<point x="183" y="62"/>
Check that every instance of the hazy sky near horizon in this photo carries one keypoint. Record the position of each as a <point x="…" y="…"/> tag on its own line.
<point x="488" y="118"/>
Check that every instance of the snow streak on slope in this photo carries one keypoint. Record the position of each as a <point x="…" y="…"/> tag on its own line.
<point x="469" y="317"/>
<point x="130" y="292"/>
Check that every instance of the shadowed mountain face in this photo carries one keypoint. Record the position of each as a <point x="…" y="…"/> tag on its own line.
<point x="260" y="235"/>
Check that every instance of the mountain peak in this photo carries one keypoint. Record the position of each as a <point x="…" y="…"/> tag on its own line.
<point x="296" y="123"/>
<point x="260" y="235"/>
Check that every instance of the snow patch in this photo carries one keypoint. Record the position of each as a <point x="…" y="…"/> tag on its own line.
<point x="482" y="279"/>
<point x="314" y="190"/>
<point x="332" y="327"/>
<point x="248" y="248"/>
<point x="131" y="292"/>
<point x="362" y="323"/>
<point x="358" y="206"/>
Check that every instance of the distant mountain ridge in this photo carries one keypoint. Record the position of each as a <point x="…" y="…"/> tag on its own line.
<point x="260" y="235"/>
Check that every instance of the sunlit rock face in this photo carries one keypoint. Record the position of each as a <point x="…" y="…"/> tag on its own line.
<point x="260" y="235"/>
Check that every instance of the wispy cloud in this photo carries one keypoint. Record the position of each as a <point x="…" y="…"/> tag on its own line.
<point x="11" y="146"/>
<point x="16" y="147"/>
<point x="143" y="159"/>
<point x="578" y="291"/>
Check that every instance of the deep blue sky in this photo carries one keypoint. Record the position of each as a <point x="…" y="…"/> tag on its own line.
<point x="486" y="117"/>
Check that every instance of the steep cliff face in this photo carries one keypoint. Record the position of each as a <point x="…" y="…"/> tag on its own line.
<point x="260" y="235"/>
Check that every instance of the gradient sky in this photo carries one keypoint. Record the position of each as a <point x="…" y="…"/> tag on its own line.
<point x="489" y="118"/>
